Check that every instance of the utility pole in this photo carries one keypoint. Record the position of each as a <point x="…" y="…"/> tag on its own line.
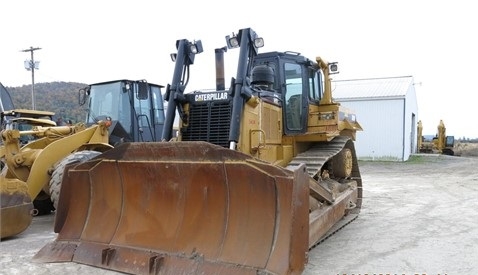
<point x="32" y="65"/>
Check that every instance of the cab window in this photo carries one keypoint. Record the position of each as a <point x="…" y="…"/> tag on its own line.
<point x="315" y="85"/>
<point x="293" y="96"/>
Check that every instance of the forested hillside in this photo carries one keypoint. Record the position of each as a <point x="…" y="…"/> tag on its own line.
<point x="58" y="97"/>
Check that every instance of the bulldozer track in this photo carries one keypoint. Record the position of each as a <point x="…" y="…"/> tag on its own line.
<point x="319" y="154"/>
<point x="314" y="159"/>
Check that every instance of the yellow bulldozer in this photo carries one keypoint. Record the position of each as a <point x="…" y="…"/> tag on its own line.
<point x="258" y="174"/>
<point x="35" y="151"/>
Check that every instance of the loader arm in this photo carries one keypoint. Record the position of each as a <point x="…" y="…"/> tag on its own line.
<point x="31" y="162"/>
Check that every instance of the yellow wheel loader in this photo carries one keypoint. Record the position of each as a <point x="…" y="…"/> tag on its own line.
<point x="24" y="119"/>
<point x="27" y="170"/>
<point x="259" y="174"/>
<point x="34" y="158"/>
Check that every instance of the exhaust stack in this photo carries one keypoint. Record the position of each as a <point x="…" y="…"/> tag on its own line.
<point x="220" y="78"/>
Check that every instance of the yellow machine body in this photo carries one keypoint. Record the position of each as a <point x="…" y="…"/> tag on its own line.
<point x="27" y="169"/>
<point x="252" y="182"/>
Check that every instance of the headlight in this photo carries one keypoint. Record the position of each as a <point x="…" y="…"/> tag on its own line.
<point x="196" y="47"/>
<point x="259" y="42"/>
<point x="232" y="42"/>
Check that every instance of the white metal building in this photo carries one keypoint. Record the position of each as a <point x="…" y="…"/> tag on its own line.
<point x="387" y="109"/>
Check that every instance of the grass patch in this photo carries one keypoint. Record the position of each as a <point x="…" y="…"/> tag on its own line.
<point x="414" y="159"/>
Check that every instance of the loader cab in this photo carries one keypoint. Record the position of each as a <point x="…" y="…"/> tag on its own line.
<point x="135" y="107"/>
<point x="298" y="82"/>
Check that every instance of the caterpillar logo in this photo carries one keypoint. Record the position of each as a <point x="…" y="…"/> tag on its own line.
<point x="210" y="97"/>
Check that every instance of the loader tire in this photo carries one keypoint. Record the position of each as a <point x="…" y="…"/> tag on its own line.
<point x="342" y="164"/>
<point x="57" y="176"/>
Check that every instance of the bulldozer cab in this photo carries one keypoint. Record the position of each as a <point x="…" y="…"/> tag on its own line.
<point x="291" y="88"/>
<point x="294" y="81"/>
<point x="300" y="83"/>
<point x="135" y="107"/>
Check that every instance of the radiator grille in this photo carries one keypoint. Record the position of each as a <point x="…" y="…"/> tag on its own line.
<point x="209" y="122"/>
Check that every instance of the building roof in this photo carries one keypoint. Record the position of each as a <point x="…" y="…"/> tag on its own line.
<point x="387" y="87"/>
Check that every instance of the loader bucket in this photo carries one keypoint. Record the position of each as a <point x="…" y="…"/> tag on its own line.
<point x="16" y="207"/>
<point x="182" y="208"/>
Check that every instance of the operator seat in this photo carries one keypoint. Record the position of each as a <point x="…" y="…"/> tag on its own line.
<point x="263" y="77"/>
<point x="294" y="112"/>
<point x="263" y="83"/>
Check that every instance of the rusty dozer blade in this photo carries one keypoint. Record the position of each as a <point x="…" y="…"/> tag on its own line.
<point x="16" y="207"/>
<point x="182" y="208"/>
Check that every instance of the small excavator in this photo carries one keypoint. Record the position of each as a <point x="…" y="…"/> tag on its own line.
<point x="439" y="144"/>
<point x="258" y="175"/>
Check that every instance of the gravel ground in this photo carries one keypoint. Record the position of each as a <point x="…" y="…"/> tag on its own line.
<point x="418" y="217"/>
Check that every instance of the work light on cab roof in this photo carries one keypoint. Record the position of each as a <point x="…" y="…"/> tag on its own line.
<point x="234" y="41"/>
<point x="333" y="68"/>
<point x="192" y="48"/>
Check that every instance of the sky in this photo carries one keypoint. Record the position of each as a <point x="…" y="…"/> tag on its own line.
<point x="94" y="41"/>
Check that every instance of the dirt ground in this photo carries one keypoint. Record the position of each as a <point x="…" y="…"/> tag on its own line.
<point x="418" y="217"/>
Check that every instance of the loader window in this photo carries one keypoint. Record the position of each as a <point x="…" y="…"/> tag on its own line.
<point x="125" y="112"/>
<point x="104" y="101"/>
<point x="158" y="106"/>
<point x="142" y="107"/>
<point x="293" y="96"/>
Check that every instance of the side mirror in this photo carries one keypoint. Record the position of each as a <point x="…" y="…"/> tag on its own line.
<point x="83" y="95"/>
<point x="143" y="89"/>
